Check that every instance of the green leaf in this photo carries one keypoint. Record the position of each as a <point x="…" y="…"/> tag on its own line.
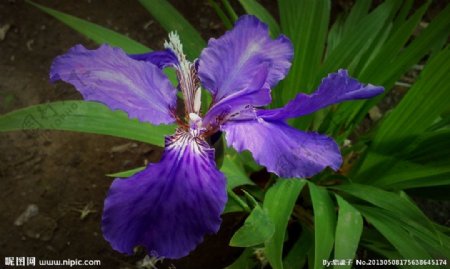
<point x="423" y="163"/>
<point x="422" y="105"/>
<point x="245" y="261"/>
<point x="257" y="229"/>
<point x="95" y="32"/>
<point x="244" y="158"/>
<point x="235" y="176"/>
<point x="231" y="13"/>
<point x="279" y="202"/>
<point x="381" y="72"/>
<point x="335" y="33"/>
<point x="347" y="112"/>
<point x="394" y="44"/>
<point x="389" y="201"/>
<point x="297" y="256"/>
<point x="404" y="11"/>
<point x="359" y="38"/>
<point x="232" y="205"/>
<point x="171" y="20"/>
<point x="82" y="116"/>
<point x="394" y="232"/>
<point x="357" y="13"/>
<point x="127" y="173"/>
<point x="416" y="50"/>
<point x="345" y="26"/>
<point x="254" y="8"/>
<point x="324" y="224"/>
<point x="355" y="45"/>
<point x="348" y="232"/>
<point x="225" y="20"/>
<point x="379" y="39"/>
<point x="234" y="173"/>
<point x="372" y="240"/>
<point x="401" y="209"/>
<point x="423" y="244"/>
<point x="407" y="175"/>
<point x="308" y="35"/>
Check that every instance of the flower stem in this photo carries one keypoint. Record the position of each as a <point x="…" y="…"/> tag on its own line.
<point x="235" y="197"/>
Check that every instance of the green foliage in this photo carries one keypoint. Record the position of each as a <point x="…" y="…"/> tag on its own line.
<point x="254" y="8"/>
<point x="257" y="229"/>
<point x="348" y="231"/>
<point x="245" y="261"/>
<point x="279" y="202"/>
<point x="308" y="35"/>
<point x="171" y="20"/>
<point x="324" y="224"/>
<point x="406" y="153"/>
<point x="404" y="131"/>
<point x="236" y="175"/>
<point x="81" y="116"/>
<point x="410" y="147"/>
<point x="298" y="255"/>
<point x="95" y="32"/>
<point x="394" y="216"/>
<point x="128" y="173"/>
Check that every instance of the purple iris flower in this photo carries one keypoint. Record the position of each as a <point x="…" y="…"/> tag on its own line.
<point x="171" y="205"/>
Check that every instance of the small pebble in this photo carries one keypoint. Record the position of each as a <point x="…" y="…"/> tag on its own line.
<point x="31" y="211"/>
<point x="3" y="30"/>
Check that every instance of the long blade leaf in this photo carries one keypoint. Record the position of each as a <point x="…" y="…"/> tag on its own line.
<point x="254" y="8"/>
<point x="82" y="116"/>
<point x="279" y="202"/>
<point x="95" y="32"/>
<point x="324" y="224"/>
<point x="348" y="231"/>
<point x="171" y="20"/>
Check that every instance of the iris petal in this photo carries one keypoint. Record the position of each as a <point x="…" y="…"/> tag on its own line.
<point x="160" y="58"/>
<point x="336" y="88"/>
<point x="234" y="105"/>
<point x="109" y="76"/>
<point x="171" y="205"/>
<point x="229" y="63"/>
<point x="284" y="150"/>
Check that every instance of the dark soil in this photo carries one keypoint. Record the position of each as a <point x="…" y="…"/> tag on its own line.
<point x="63" y="173"/>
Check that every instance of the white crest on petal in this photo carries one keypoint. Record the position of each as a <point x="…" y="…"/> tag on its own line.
<point x="198" y="100"/>
<point x="187" y="140"/>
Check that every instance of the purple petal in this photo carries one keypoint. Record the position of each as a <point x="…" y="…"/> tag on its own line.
<point x="238" y="104"/>
<point x="229" y="63"/>
<point x="171" y="205"/>
<point x="282" y="149"/>
<point x="336" y="88"/>
<point x="161" y="58"/>
<point x="107" y="75"/>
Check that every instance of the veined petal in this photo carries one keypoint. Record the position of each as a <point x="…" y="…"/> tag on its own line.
<point x="238" y="104"/>
<point x="171" y="205"/>
<point x="336" y="88"/>
<point x="109" y="76"/>
<point x="160" y="58"/>
<point x="282" y="149"/>
<point x="229" y="63"/>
